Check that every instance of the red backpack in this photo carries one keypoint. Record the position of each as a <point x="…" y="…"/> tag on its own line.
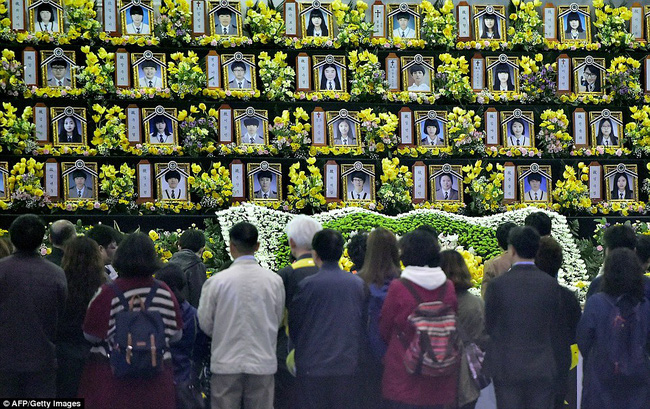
<point x="435" y="349"/>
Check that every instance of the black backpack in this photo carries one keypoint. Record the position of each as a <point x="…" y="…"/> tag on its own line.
<point x="138" y="344"/>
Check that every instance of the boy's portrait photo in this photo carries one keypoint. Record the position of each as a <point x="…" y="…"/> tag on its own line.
<point x="225" y="18"/>
<point x="150" y="69"/>
<point x="404" y="21"/>
<point x="446" y="183"/>
<point x="489" y="22"/>
<point x="316" y="19"/>
<point x="622" y="182"/>
<point x="172" y="181"/>
<point x="160" y="125"/>
<point x="503" y="74"/>
<point x="252" y="126"/>
<point x="45" y="16"/>
<point x="575" y="23"/>
<point x="417" y="73"/>
<point x="535" y="182"/>
<point x="431" y="128"/>
<point x="518" y="128"/>
<point x="79" y="180"/>
<point x="264" y="181"/>
<point x="589" y="75"/>
<point x="329" y="73"/>
<point x="606" y="128"/>
<point x="358" y="182"/>
<point x="343" y="128"/>
<point x="239" y="71"/>
<point x="136" y="17"/>
<point x="68" y="126"/>
<point x="57" y="68"/>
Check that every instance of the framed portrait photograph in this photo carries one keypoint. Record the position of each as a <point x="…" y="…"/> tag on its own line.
<point x="417" y="73"/>
<point x="330" y="73"/>
<point x="404" y="21"/>
<point x="316" y="19"/>
<point x="252" y="126"/>
<point x="446" y="183"/>
<point x="589" y="75"/>
<point x="358" y="182"/>
<point x="79" y="180"/>
<point x="503" y="74"/>
<point x="606" y="128"/>
<point x="535" y="183"/>
<point x="46" y="16"/>
<point x="4" y="186"/>
<point x="518" y="128"/>
<point x="621" y="182"/>
<point x="136" y="17"/>
<point x="149" y="70"/>
<point x="343" y="128"/>
<point x="171" y="181"/>
<point x="239" y="71"/>
<point x="489" y="22"/>
<point x="225" y="18"/>
<point x="160" y="125"/>
<point x="264" y="181"/>
<point x="575" y="23"/>
<point x="58" y="69"/>
<point x="431" y="128"/>
<point x="68" y="126"/>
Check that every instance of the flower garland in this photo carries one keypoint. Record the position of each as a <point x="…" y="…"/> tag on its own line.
<point x="25" y="185"/>
<point x="96" y="78"/>
<point x="291" y="136"/>
<point x="82" y="19"/>
<point x="277" y="76"/>
<point x="379" y="130"/>
<point x="198" y="129"/>
<point x="525" y="24"/>
<point x="611" y="25"/>
<point x="17" y="134"/>
<point x="396" y="183"/>
<point x="439" y="26"/>
<point x="11" y="74"/>
<point x="174" y="23"/>
<point x="537" y="84"/>
<point x="305" y="193"/>
<point x="639" y="130"/>
<point x="624" y="79"/>
<point x="572" y="193"/>
<point x="213" y="187"/>
<point x="351" y="20"/>
<point x="368" y="79"/>
<point x="451" y="80"/>
<point x="185" y="74"/>
<point x="119" y="189"/>
<point x="553" y="136"/>
<point x="464" y="136"/>
<point x="485" y="187"/>
<point x="110" y="130"/>
<point x="265" y="24"/>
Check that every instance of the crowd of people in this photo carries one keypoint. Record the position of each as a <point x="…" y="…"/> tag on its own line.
<point x="313" y="335"/>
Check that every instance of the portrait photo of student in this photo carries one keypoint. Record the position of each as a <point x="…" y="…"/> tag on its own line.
<point x="589" y="75"/>
<point x="358" y="182"/>
<point x="403" y="25"/>
<point x="417" y="73"/>
<point x="316" y="20"/>
<point x="534" y="182"/>
<point x="357" y="187"/>
<point x="172" y="188"/>
<point x="343" y="128"/>
<point x="79" y="181"/>
<point x="489" y="22"/>
<point x="225" y="18"/>
<point x="517" y="135"/>
<point x="136" y="19"/>
<point x="503" y="74"/>
<point x="446" y="183"/>
<point x="46" y="17"/>
<point x="575" y="23"/>
<point x="224" y="24"/>
<point x="503" y="78"/>
<point x="267" y="185"/>
<point x="79" y="188"/>
<point x="59" y="73"/>
<point x="329" y="73"/>
<point x="446" y="187"/>
<point x="150" y="75"/>
<point x="239" y="72"/>
<point x="431" y="128"/>
<point x="161" y="130"/>
<point x="403" y="21"/>
<point x="330" y="80"/>
<point x="251" y="131"/>
<point x="171" y="181"/>
<point x="317" y="24"/>
<point x="606" y="128"/>
<point x="621" y="187"/>
<point x="68" y="127"/>
<point x="264" y="181"/>
<point x="517" y="128"/>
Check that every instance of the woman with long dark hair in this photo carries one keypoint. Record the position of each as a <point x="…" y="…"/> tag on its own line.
<point x="621" y="189"/>
<point x="490" y="27"/>
<point x="317" y="26"/>
<point x="330" y="80"/>
<point x="574" y="29"/>
<point x="69" y="132"/>
<point x="606" y="135"/>
<point x="502" y="78"/>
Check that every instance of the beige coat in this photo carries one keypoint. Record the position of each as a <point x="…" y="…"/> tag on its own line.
<point x="494" y="268"/>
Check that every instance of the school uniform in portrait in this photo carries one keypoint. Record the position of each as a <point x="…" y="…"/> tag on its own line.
<point x="243" y="84"/>
<point x="230" y="30"/>
<point x="54" y="82"/>
<point x="86" y="193"/>
<point x="78" y="187"/>
<point x="532" y="195"/>
<point x="132" y="29"/>
<point x="427" y="141"/>
<point x="360" y="189"/>
<point x="154" y="82"/>
<point x="524" y="140"/>
<point x="627" y="194"/>
<point x="249" y="129"/>
<point x="271" y="194"/>
<point x="161" y="138"/>
<point x="172" y="188"/>
<point x="451" y="194"/>
<point x="267" y="183"/>
<point x="174" y="194"/>
<point x="620" y="184"/>
<point x="421" y="87"/>
<point x="349" y="141"/>
<point x="408" y="33"/>
<point x="252" y="139"/>
<point x="50" y="27"/>
<point x="611" y="141"/>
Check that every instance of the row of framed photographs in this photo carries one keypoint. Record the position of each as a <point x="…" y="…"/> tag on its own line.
<point x="315" y="19"/>
<point x="67" y="126"/>
<point x="353" y="182"/>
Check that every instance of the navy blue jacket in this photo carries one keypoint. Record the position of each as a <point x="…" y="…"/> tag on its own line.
<point x="326" y="322"/>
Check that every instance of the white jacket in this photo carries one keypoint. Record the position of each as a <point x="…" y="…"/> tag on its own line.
<point x="241" y="309"/>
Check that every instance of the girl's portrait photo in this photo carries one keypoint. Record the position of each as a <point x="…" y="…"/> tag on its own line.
<point x="316" y="19"/>
<point x="575" y="23"/>
<point x="606" y="128"/>
<point x="622" y="182"/>
<point x="329" y="73"/>
<point x="489" y="22"/>
<point x="503" y="74"/>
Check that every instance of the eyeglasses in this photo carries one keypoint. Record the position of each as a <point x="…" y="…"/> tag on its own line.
<point x="590" y="74"/>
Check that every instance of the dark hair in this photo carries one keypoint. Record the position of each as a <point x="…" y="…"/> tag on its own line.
<point x="502" y="234"/>
<point x="549" y="256"/>
<point x="26" y="232"/>
<point x="104" y="235"/>
<point x="449" y="175"/>
<point x="419" y="248"/>
<point x="264" y="174"/>
<point x="359" y="175"/>
<point x="382" y="255"/>
<point x="519" y="121"/>
<point x="84" y="269"/>
<point x="192" y="239"/>
<point x="59" y="62"/>
<point x="75" y="131"/>
<point x="78" y="173"/>
<point x="350" y="127"/>
<point x="403" y="14"/>
<point x="534" y="176"/>
<point x="136" y="256"/>
<point x="44" y="7"/>
<point x="323" y="79"/>
<point x="310" y="25"/>
<point x="136" y="10"/>
<point x="243" y="236"/>
<point x="456" y="270"/>
<point x="600" y="128"/>
<point x="495" y="29"/>
<point x="236" y="64"/>
<point x="503" y="68"/>
<point x="415" y="68"/>
<point x="525" y="240"/>
<point x="223" y="11"/>
<point x="643" y="248"/>
<point x="251" y="121"/>
<point x="5" y="247"/>
<point x="328" y="245"/>
<point x="61" y="231"/>
<point x="160" y="119"/>
<point x="172" y="275"/>
<point x="623" y="274"/>
<point x="428" y="229"/>
<point x="573" y="15"/>
<point x="149" y="63"/>
<point x="617" y="176"/>
<point x="357" y="249"/>
<point x="172" y="174"/>
<point x="619" y="236"/>
<point x="432" y="122"/>
<point x="540" y="222"/>
<point x="593" y="70"/>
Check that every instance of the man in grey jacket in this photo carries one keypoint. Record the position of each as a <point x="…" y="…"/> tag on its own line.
<point x="188" y="258"/>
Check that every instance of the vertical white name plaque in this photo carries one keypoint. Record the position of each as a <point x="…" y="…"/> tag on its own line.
<point x="133" y="124"/>
<point x="563" y="74"/>
<point x="636" y="22"/>
<point x="30" y="70"/>
<point x="580" y="128"/>
<point x="478" y="72"/>
<point x="291" y="18"/>
<point x="145" y="181"/>
<point x="595" y="181"/>
<point x="331" y="181"/>
<point x="52" y="178"/>
<point x="122" y="68"/>
<point x="303" y="72"/>
<point x="198" y="17"/>
<point x="17" y="10"/>
<point x="318" y="127"/>
<point x="646" y="65"/>
<point x="379" y="19"/>
<point x="41" y="123"/>
<point x="406" y="126"/>
<point x="225" y="124"/>
<point x="392" y="72"/>
<point x="550" y="22"/>
<point x="491" y="127"/>
<point x="237" y="174"/>
<point x="509" y="182"/>
<point x="213" y="65"/>
<point x="419" y="182"/>
<point x="464" y="26"/>
<point x="109" y="9"/>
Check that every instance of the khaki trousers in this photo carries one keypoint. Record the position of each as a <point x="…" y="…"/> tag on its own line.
<point x="242" y="391"/>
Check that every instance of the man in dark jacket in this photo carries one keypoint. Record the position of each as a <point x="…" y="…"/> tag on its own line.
<point x="108" y="240"/>
<point x="60" y="232"/>
<point x="325" y="322"/>
<point x="522" y="311"/>
<point x="32" y="298"/>
<point x="188" y="257"/>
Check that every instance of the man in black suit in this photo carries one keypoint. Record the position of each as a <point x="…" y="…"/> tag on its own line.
<point x="60" y="232"/>
<point x="522" y="311"/>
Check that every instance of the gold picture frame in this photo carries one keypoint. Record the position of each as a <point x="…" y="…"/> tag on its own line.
<point x="236" y="61"/>
<point x="397" y="12"/>
<point x="528" y="176"/>
<point x="149" y="70"/>
<point x="417" y="73"/>
<point x="597" y="120"/>
<point x="65" y="124"/>
<point x="513" y="122"/>
<point x="582" y="31"/>
<point x="587" y="69"/>
<point x="4" y="186"/>
<point x="264" y="170"/>
<point x="227" y="9"/>
<point x="499" y="65"/>
<point x="171" y="182"/>
<point x="142" y="8"/>
<point x="38" y="11"/>
<point x="58" y="68"/>
<point x="612" y="175"/>
<point x="362" y="190"/>
<point x="84" y="173"/>
<point x="245" y="118"/>
<point x="323" y="63"/>
<point x="337" y="135"/>
<point x="431" y="119"/>
<point x="160" y="124"/>
<point x="495" y="13"/>
<point x="316" y="9"/>
<point x="446" y="183"/>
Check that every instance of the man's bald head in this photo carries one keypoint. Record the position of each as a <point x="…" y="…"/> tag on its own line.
<point x="61" y="231"/>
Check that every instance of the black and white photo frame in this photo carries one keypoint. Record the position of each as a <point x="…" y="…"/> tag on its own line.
<point x="172" y="181"/>
<point x="417" y="73"/>
<point x="316" y="19"/>
<point x="358" y="180"/>
<point x="431" y="128"/>
<point x="251" y="126"/>
<point x="490" y="23"/>
<point x="503" y="74"/>
<point x="606" y="128"/>
<point x="149" y="70"/>
<point x="404" y="21"/>
<point x="80" y="180"/>
<point x="344" y="128"/>
<point x="330" y="73"/>
<point x="575" y="23"/>
<point x="239" y="72"/>
<point x="446" y="183"/>
<point x="136" y="17"/>
<point x="621" y="182"/>
<point x="264" y="181"/>
<point x="58" y="68"/>
<point x="160" y="126"/>
<point x="518" y="128"/>
<point x="225" y="18"/>
<point x="46" y="16"/>
<point x="535" y="183"/>
<point x="589" y="75"/>
<point x="68" y="126"/>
